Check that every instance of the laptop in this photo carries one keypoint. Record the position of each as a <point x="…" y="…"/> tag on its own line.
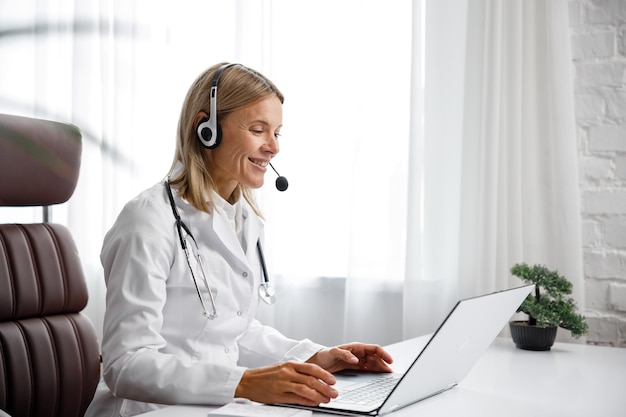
<point x="440" y="365"/>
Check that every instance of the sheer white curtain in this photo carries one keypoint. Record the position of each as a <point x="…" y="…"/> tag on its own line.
<point x="499" y="180"/>
<point x="336" y="237"/>
<point x="428" y="145"/>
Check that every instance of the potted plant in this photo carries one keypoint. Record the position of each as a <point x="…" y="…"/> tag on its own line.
<point x="548" y="308"/>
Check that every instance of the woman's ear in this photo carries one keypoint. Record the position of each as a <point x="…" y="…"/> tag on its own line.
<point x="200" y="118"/>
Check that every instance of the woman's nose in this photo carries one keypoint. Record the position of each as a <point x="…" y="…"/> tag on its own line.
<point x="272" y="144"/>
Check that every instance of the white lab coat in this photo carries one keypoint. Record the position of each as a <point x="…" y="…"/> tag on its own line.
<point x="157" y="346"/>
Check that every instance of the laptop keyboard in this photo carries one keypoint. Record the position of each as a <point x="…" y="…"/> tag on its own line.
<point x="369" y="394"/>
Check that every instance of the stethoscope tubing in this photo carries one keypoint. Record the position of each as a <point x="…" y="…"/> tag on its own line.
<point x="265" y="291"/>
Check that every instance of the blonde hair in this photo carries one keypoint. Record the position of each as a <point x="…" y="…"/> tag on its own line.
<point x="239" y="87"/>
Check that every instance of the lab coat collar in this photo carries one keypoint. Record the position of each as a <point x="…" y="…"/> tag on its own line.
<point x="252" y="227"/>
<point x="252" y="224"/>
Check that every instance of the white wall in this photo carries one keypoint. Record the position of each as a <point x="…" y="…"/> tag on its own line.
<point x="598" y="30"/>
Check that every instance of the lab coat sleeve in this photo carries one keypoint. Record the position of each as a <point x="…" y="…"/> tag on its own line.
<point x="137" y="255"/>
<point x="263" y="345"/>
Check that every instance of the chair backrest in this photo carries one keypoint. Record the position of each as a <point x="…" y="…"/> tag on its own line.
<point x="49" y="352"/>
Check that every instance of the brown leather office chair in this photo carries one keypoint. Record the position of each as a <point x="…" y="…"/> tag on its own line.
<point x="49" y="353"/>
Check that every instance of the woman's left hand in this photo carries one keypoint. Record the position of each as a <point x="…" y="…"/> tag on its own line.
<point x="359" y="356"/>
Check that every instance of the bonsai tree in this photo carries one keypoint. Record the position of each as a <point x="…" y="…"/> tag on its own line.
<point x="550" y="305"/>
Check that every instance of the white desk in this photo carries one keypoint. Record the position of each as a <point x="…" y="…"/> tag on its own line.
<point x="570" y="380"/>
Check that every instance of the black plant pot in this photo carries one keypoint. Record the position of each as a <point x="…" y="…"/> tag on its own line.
<point x="532" y="337"/>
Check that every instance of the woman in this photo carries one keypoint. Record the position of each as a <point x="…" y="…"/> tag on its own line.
<point x="183" y="263"/>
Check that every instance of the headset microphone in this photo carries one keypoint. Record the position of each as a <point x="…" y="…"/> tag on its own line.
<point x="281" y="182"/>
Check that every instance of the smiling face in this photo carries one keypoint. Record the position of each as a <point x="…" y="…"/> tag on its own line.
<point x="249" y="142"/>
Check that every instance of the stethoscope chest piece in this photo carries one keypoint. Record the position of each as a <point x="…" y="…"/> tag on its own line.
<point x="267" y="293"/>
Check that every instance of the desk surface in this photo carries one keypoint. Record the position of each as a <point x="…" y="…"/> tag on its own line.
<point x="569" y="380"/>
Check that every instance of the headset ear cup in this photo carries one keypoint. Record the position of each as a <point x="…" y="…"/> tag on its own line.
<point x="208" y="138"/>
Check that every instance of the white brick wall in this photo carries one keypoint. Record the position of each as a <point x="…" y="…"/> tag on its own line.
<point x="598" y="31"/>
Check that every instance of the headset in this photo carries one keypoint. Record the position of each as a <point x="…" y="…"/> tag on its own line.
<point x="209" y="130"/>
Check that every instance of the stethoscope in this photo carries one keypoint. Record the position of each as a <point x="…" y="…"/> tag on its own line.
<point x="266" y="290"/>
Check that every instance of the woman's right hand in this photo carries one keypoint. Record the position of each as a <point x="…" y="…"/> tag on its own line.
<point x="287" y="383"/>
